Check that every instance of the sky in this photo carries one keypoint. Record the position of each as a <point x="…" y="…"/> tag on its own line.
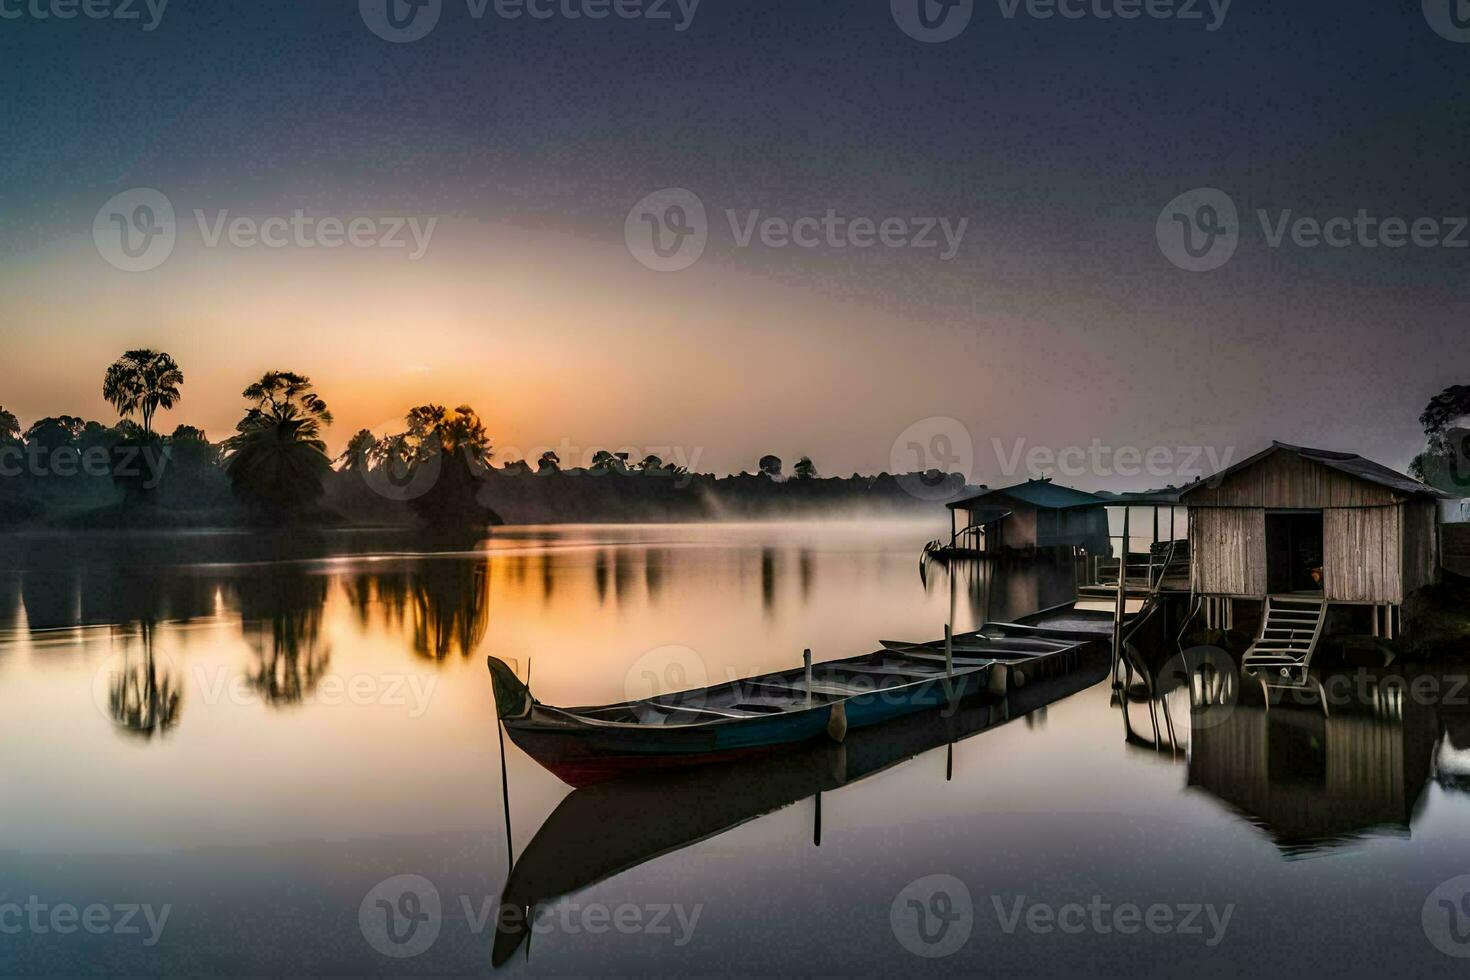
<point x="1045" y="159"/>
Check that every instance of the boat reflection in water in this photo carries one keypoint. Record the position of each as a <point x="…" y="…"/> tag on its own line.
<point x="607" y="828"/>
<point x="1345" y="757"/>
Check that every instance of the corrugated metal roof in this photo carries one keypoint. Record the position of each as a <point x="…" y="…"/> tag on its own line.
<point x="1350" y="463"/>
<point x="1042" y="494"/>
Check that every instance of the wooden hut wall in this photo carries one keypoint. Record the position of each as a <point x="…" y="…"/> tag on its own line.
<point x="1361" y="559"/>
<point x="1421" y="544"/>
<point x="1020" y="527"/>
<point x="1228" y="547"/>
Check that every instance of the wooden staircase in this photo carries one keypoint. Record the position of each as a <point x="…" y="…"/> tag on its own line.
<point x="1290" y="629"/>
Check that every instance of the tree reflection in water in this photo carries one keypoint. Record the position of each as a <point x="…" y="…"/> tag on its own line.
<point x="451" y="608"/>
<point x="442" y="605"/>
<point x="281" y="619"/>
<point x="141" y="698"/>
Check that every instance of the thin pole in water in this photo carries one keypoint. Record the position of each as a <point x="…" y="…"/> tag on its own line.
<point x="817" y="824"/>
<point x="1122" y="593"/>
<point x="948" y="650"/>
<point x="806" y="662"/>
<point x="510" y="854"/>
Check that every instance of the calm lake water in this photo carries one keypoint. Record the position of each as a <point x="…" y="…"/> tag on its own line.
<point x="247" y="742"/>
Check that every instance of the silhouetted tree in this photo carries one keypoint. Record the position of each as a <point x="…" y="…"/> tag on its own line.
<point x="805" y="469"/>
<point x="189" y="446"/>
<point x="142" y="381"/>
<point x="549" y="462"/>
<point x="9" y="427"/>
<point x="457" y="446"/>
<point x="606" y="462"/>
<point x="54" y="432"/>
<point x="277" y="463"/>
<point x="360" y="452"/>
<point x="1445" y="461"/>
<point x="771" y="466"/>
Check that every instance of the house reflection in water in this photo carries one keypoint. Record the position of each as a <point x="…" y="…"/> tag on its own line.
<point x="999" y="590"/>
<point x="1314" y="767"/>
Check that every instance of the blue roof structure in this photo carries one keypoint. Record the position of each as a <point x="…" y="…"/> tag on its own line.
<point x="1041" y="494"/>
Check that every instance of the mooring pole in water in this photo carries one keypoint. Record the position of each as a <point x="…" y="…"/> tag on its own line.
<point x="510" y="854"/>
<point x="1122" y="592"/>
<point x="817" y="824"/>
<point x="806" y="661"/>
<point x="948" y="650"/>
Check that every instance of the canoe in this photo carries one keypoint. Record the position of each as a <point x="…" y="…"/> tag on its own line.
<point x="598" y="832"/>
<point x="757" y="715"/>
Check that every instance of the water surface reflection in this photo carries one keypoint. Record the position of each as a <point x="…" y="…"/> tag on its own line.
<point x="303" y="719"/>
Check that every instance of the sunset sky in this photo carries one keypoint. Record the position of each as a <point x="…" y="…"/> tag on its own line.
<point x="1058" y="321"/>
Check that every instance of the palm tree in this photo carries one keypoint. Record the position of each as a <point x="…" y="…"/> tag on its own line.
<point x="433" y="428"/>
<point x="279" y="394"/>
<point x="278" y="462"/>
<point x="143" y="381"/>
<point x="458" y="449"/>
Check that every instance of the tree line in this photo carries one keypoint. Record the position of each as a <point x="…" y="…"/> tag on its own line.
<point x="439" y="471"/>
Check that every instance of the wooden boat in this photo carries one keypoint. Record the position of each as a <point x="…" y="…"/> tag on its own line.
<point x="603" y="830"/>
<point x="760" y="714"/>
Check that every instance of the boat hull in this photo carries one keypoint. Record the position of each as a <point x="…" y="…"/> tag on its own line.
<point x="581" y="758"/>
<point x="589" y="745"/>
